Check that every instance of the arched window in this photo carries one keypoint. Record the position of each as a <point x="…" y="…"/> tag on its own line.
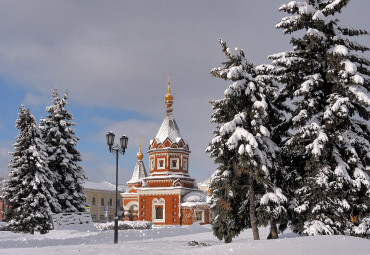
<point x="102" y="201"/>
<point x="159" y="213"/>
<point x="158" y="210"/>
<point x="93" y="201"/>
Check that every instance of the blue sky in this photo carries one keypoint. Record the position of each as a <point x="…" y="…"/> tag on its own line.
<point x="114" y="57"/>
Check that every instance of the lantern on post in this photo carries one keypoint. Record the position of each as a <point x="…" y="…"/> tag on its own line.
<point x="116" y="150"/>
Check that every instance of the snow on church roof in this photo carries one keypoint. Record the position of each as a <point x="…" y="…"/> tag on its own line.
<point x="168" y="129"/>
<point x="194" y="198"/>
<point x="139" y="172"/>
<point x="106" y="186"/>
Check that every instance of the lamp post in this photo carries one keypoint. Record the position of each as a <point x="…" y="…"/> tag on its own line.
<point x="116" y="150"/>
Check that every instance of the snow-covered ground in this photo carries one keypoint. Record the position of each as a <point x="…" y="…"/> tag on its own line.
<point x="175" y="240"/>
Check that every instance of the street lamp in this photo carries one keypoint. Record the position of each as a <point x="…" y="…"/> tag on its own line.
<point x="116" y="150"/>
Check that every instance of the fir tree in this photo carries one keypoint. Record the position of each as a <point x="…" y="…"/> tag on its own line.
<point x="328" y="83"/>
<point x="228" y="185"/>
<point x="63" y="157"/>
<point x="243" y="148"/>
<point x="29" y="191"/>
<point x="273" y="203"/>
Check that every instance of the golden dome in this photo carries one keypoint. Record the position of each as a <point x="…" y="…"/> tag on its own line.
<point x="168" y="96"/>
<point x="139" y="155"/>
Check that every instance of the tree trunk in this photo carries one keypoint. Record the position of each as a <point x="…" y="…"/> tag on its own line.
<point x="252" y="210"/>
<point x="273" y="230"/>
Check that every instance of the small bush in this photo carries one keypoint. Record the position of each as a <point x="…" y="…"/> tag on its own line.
<point x="123" y="225"/>
<point x="4" y="226"/>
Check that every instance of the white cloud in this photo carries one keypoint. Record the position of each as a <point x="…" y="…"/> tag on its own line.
<point x="97" y="169"/>
<point x="32" y="99"/>
<point x="132" y="128"/>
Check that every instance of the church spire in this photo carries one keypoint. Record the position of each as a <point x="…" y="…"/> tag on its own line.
<point x="139" y="155"/>
<point x="169" y="97"/>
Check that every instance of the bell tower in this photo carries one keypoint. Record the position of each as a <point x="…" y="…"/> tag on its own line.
<point x="168" y="151"/>
<point x="168" y="196"/>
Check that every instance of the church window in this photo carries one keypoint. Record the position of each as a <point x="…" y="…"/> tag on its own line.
<point x="151" y="163"/>
<point x="93" y="201"/>
<point x="158" y="210"/>
<point x="184" y="164"/>
<point x="159" y="213"/>
<point x="160" y="163"/>
<point x="174" y="163"/>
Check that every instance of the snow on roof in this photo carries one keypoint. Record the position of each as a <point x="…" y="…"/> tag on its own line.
<point x="194" y="198"/>
<point x="139" y="172"/>
<point x="169" y="176"/>
<point x="166" y="188"/>
<point x="168" y="129"/>
<point x="204" y="183"/>
<point x="107" y="186"/>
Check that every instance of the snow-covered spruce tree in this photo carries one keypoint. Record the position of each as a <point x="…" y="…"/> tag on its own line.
<point x="273" y="203"/>
<point x="29" y="191"/>
<point x="63" y="157"/>
<point x="329" y="149"/>
<point x="242" y="148"/>
<point x="228" y="185"/>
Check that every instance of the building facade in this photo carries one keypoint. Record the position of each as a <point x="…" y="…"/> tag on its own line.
<point x="168" y="195"/>
<point x="101" y="196"/>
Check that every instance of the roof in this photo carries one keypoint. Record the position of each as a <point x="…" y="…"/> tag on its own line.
<point x="139" y="172"/>
<point x="168" y="129"/>
<point x="169" y="176"/>
<point x="204" y="183"/>
<point x="194" y="198"/>
<point x="106" y="186"/>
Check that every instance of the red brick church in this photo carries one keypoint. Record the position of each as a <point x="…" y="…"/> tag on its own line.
<point x="168" y="196"/>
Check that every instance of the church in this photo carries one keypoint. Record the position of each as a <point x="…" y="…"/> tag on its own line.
<point x="168" y="195"/>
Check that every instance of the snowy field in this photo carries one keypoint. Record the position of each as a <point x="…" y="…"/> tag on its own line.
<point x="175" y="240"/>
